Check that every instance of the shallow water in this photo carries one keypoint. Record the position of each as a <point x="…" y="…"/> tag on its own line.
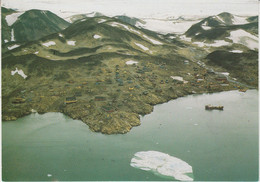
<point x="219" y="145"/>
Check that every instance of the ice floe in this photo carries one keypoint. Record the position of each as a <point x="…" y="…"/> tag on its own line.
<point x="71" y="42"/>
<point x="115" y="24"/>
<point x="236" y="51"/>
<point x="162" y="164"/>
<point x="12" y="35"/>
<point x="96" y="36"/>
<point x="142" y="46"/>
<point x="130" y="62"/>
<point x="179" y="78"/>
<point x="152" y="40"/>
<point x="13" y="46"/>
<point x="50" y="43"/>
<point x="19" y="72"/>
<point x="243" y="37"/>
<point x="11" y="19"/>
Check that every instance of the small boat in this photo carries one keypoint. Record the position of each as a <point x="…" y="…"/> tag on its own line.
<point x="210" y="107"/>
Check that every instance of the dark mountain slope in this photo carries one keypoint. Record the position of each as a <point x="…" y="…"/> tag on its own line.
<point x="35" y="24"/>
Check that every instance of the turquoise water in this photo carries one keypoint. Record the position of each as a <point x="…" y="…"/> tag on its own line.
<point x="219" y="145"/>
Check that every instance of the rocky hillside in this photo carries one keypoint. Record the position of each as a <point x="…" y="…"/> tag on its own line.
<point x="228" y="28"/>
<point x="104" y="72"/>
<point x="21" y="27"/>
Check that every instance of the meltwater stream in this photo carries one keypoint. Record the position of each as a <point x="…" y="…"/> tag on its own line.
<point x="215" y="145"/>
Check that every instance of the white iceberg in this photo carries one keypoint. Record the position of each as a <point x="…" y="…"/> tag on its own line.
<point x="163" y="164"/>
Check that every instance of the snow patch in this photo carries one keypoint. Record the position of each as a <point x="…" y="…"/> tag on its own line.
<point x="12" y="35"/>
<point x="141" y="46"/>
<point x="50" y="43"/>
<point x="166" y="26"/>
<point x="238" y="20"/>
<point x="115" y="24"/>
<point x="13" y="46"/>
<point x="11" y="19"/>
<point x="71" y="42"/>
<point x="37" y="52"/>
<point x="101" y="20"/>
<point x="243" y="37"/>
<point x="217" y="43"/>
<point x="49" y="175"/>
<point x="152" y="40"/>
<point x="220" y="19"/>
<point x="183" y="37"/>
<point x="236" y="51"/>
<point x="5" y="40"/>
<point x="19" y="72"/>
<point x="205" y="27"/>
<point x="130" y="62"/>
<point x="96" y="36"/>
<point x="163" y="164"/>
<point x="61" y="35"/>
<point x="179" y="78"/>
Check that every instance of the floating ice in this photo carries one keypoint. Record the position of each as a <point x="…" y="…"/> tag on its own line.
<point x="71" y="42"/>
<point x="130" y="62"/>
<point x="236" y="51"/>
<point x="141" y="46"/>
<point x="152" y="40"/>
<point x="243" y="37"/>
<point x="19" y="72"/>
<point x="96" y="36"/>
<point x="163" y="164"/>
<point x="10" y="19"/>
<point x="13" y="46"/>
<point x="47" y="44"/>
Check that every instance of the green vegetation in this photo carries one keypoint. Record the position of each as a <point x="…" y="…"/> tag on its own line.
<point x="107" y="73"/>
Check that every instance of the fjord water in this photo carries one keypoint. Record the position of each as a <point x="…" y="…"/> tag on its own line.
<point x="219" y="145"/>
